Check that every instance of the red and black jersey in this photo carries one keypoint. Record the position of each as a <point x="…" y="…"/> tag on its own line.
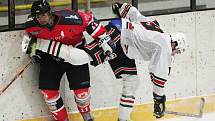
<point x="121" y="64"/>
<point x="68" y="28"/>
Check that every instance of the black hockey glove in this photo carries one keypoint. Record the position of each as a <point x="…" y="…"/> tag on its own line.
<point x="115" y="8"/>
<point x="36" y="58"/>
<point x="111" y="55"/>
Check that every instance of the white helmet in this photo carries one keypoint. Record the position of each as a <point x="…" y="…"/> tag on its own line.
<point x="181" y="40"/>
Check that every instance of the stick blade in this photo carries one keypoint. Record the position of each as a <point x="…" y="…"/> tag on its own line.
<point x="201" y="108"/>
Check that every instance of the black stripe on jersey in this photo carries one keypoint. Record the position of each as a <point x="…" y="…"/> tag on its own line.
<point x="58" y="50"/>
<point x="49" y="47"/>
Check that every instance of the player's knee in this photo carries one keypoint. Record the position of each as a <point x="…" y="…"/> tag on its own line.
<point x="82" y="99"/>
<point x="53" y="100"/>
<point x="49" y="94"/>
<point x="82" y="96"/>
<point x="130" y="84"/>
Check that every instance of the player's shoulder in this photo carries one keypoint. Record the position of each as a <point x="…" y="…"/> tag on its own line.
<point x="69" y="17"/>
<point x="110" y="27"/>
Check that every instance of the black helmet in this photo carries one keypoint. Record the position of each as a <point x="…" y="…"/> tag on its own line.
<point x="40" y="6"/>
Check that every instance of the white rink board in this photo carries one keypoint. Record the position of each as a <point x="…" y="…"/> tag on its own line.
<point x="192" y="72"/>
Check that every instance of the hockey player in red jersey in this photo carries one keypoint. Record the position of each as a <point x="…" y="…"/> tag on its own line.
<point x="64" y="27"/>
<point x="121" y="65"/>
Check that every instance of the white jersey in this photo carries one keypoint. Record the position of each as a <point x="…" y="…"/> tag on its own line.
<point x="144" y="40"/>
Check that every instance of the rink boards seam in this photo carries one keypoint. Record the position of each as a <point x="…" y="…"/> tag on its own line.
<point x="143" y="112"/>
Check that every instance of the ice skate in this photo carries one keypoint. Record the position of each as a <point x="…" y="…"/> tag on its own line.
<point x="159" y="105"/>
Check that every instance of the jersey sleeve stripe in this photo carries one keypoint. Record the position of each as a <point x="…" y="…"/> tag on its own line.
<point x="53" y="48"/>
<point x="49" y="48"/>
<point x="58" y="50"/>
<point x="96" y="30"/>
<point x="125" y="11"/>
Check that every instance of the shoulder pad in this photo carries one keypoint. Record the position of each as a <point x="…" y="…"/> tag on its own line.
<point x="69" y="17"/>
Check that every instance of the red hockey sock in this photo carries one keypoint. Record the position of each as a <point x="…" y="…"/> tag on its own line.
<point x="82" y="97"/>
<point x="55" y="104"/>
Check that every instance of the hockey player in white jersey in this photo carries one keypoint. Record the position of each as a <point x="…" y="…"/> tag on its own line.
<point x="143" y="39"/>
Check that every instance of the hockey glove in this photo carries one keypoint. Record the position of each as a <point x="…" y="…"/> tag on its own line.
<point x="108" y="45"/>
<point x="115" y="8"/>
<point x="35" y="54"/>
<point x="29" y="47"/>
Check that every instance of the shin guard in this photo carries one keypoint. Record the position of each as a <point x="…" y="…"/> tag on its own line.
<point x="130" y="84"/>
<point x="82" y="99"/>
<point x="55" y="104"/>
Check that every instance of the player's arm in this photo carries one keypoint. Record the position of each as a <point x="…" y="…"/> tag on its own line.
<point x="127" y="11"/>
<point x="95" y="29"/>
<point x="59" y="51"/>
<point x="67" y="53"/>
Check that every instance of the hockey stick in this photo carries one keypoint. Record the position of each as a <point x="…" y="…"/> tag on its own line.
<point x="18" y="73"/>
<point x="202" y="102"/>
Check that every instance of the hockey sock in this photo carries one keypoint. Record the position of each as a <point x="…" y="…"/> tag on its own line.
<point x="55" y="104"/>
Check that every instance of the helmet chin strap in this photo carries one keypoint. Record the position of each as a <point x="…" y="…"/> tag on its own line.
<point x="50" y="22"/>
